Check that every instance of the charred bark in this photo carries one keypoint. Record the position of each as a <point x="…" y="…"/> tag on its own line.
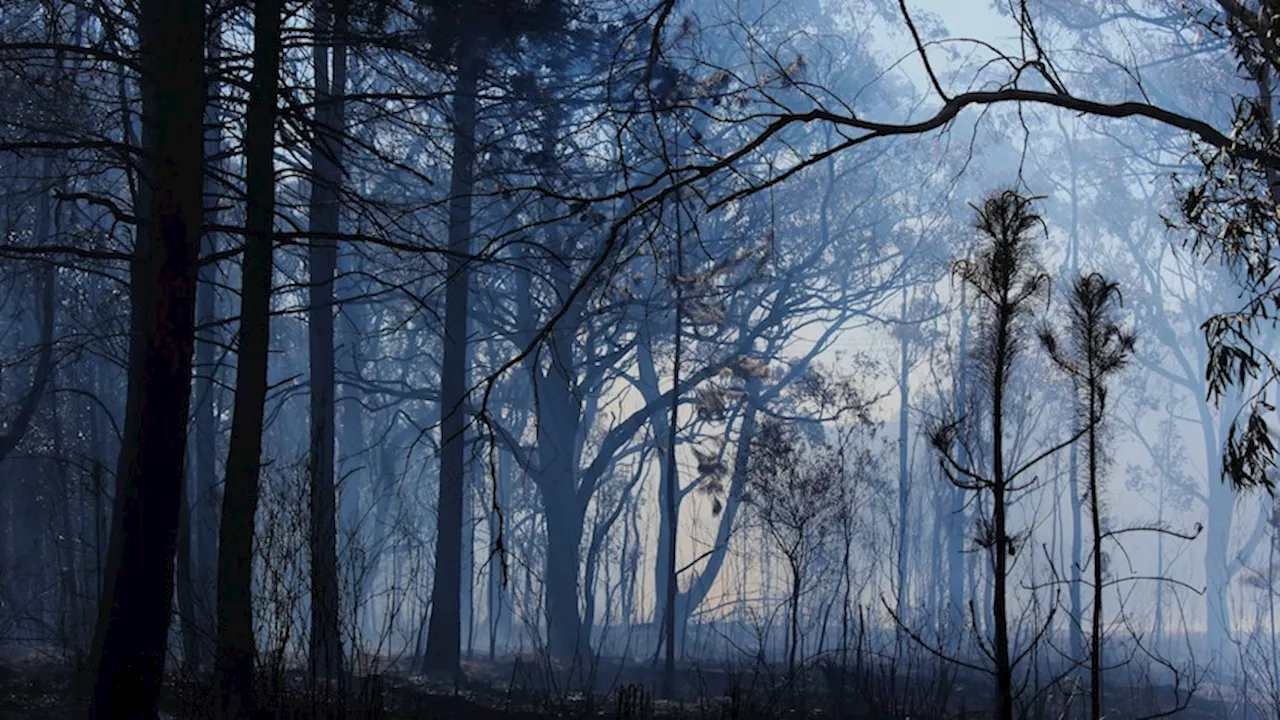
<point x="134" y="616"/>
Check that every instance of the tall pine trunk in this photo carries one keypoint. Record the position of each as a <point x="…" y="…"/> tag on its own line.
<point x="235" y="641"/>
<point x="444" y="633"/>
<point x="326" y="149"/>
<point x="133" y="619"/>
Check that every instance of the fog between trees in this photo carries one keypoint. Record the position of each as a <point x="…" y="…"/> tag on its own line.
<point x="805" y="357"/>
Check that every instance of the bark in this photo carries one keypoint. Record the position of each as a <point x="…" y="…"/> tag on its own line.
<point x="565" y="642"/>
<point x="324" y="219"/>
<point x="185" y="577"/>
<point x="134" y="616"/>
<point x="235" y="641"/>
<point x="444" y="634"/>
<point x="558" y="423"/>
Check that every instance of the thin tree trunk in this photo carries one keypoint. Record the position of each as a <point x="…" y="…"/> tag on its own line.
<point x="793" y="602"/>
<point x="956" y="555"/>
<point x="206" y="500"/>
<point x="496" y="595"/>
<point x="185" y="577"/>
<point x="444" y="635"/>
<point x="1095" y="519"/>
<point x="235" y="642"/>
<point x="134" y="616"/>
<point x="1003" y="667"/>
<point x="1076" y="621"/>
<point x="324" y="218"/>
<point x="904" y="478"/>
<point x="671" y="487"/>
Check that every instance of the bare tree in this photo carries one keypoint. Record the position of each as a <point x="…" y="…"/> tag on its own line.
<point x="235" y="641"/>
<point x="795" y="488"/>
<point x="133" y="620"/>
<point x="324" y="218"/>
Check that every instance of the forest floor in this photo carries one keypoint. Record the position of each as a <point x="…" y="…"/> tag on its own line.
<point x="51" y="693"/>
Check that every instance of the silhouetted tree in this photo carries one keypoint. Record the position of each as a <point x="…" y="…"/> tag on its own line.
<point x="1008" y="281"/>
<point x="465" y="34"/>
<point x="1097" y="348"/>
<point x="235" y="641"/>
<point x="330" y="21"/>
<point x="133" y="619"/>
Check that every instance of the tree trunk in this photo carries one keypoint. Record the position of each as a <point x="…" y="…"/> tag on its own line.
<point x="324" y="217"/>
<point x="904" y="477"/>
<point x="1220" y="506"/>
<point x="444" y="634"/>
<point x="206" y="500"/>
<point x="793" y="603"/>
<point x="1095" y="519"/>
<point x="1076" y="621"/>
<point x="185" y="576"/>
<point x="355" y="461"/>
<point x="558" y="424"/>
<point x="497" y="582"/>
<point x="1003" y="546"/>
<point x="956" y="555"/>
<point x="235" y="641"/>
<point x="138" y="589"/>
<point x="564" y="542"/>
<point x="671" y="484"/>
<point x="702" y="583"/>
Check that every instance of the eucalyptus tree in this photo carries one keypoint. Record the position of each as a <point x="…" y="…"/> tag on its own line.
<point x="825" y="260"/>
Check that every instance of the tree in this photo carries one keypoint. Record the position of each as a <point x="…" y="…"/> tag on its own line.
<point x="444" y="635"/>
<point x="235" y="641"/>
<point x="324" y="220"/>
<point x="465" y="36"/>
<point x="1007" y="280"/>
<point x="133" y="619"/>
<point x="1098" y="348"/>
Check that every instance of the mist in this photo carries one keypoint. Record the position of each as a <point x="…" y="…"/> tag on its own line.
<point x="639" y="359"/>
